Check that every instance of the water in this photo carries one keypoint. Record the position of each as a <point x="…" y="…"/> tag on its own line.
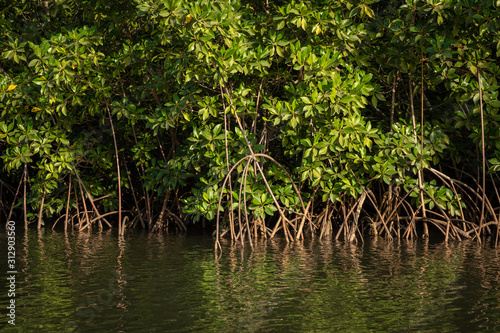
<point x="169" y="283"/>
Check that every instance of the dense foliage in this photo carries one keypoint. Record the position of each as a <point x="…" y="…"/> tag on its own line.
<point x="315" y="116"/>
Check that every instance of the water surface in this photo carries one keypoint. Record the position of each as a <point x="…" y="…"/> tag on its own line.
<point x="172" y="283"/>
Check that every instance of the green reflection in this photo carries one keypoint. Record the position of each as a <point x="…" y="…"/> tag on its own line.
<point x="162" y="283"/>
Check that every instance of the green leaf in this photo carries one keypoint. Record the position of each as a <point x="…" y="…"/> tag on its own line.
<point x="347" y="99"/>
<point x="305" y="100"/>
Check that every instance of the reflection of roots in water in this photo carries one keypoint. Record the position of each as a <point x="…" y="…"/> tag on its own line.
<point x="416" y="279"/>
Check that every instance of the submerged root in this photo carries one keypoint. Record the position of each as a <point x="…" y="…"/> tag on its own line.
<point x="392" y="216"/>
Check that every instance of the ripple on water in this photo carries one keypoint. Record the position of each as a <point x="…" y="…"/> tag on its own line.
<point x="159" y="283"/>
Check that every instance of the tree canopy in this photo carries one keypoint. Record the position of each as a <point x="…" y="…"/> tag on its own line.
<point x="329" y="117"/>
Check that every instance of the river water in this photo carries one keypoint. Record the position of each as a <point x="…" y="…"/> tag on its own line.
<point x="172" y="283"/>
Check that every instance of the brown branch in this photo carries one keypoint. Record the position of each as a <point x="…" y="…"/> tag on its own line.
<point x="120" y="222"/>
<point x="14" y="200"/>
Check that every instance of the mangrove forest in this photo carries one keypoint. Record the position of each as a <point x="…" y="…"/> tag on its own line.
<point x="330" y="118"/>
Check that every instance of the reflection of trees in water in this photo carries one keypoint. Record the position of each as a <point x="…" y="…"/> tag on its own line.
<point x="52" y="266"/>
<point x="481" y="275"/>
<point x="407" y="285"/>
<point x="301" y="286"/>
